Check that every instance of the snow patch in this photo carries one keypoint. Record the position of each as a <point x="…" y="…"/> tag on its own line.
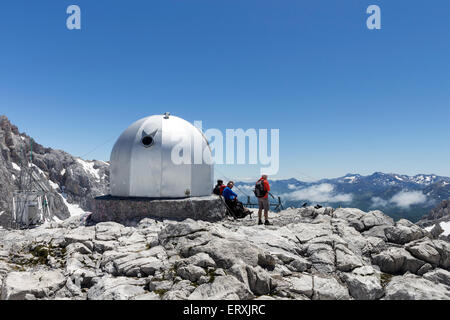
<point x="39" y="170"/>
<point x="89" y="168"/>
<point x="63" y="171"/>
<point x="444" y="225"/>
<point x="54" y="185"/>
<point x="423" y="179"/>
<point x="350" y="179"/>
<point x="16" y="166"/>
<point x="74" y="209"/>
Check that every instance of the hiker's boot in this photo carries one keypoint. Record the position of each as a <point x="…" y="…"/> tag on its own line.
<point x="267" y="223"/>
<point x="260" y="222"/>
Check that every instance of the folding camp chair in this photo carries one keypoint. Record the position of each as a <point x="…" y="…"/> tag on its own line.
<point x="229" y="211"/>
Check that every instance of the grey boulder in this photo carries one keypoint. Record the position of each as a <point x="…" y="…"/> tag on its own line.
<point x="412" y="287"/>
<point x="40" y="284"/>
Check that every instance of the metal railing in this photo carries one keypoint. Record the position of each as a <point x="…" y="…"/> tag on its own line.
<point x="278" y="206"/>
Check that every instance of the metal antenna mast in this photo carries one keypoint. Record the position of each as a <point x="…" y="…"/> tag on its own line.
<point x="30" y="203"/>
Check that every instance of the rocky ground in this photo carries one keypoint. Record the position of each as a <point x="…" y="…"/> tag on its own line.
<point x="306" y="254"/>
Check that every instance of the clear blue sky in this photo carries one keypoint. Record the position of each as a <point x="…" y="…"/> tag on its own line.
<point x="346" y="99"/>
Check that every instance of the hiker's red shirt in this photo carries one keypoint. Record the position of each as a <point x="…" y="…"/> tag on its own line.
<point x="266" y="187"/>
<point x="221" y="188"/>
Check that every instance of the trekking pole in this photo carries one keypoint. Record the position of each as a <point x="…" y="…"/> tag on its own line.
<point x="280" y="204"/>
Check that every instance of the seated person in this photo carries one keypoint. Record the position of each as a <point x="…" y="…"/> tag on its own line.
<point x="218" y="188"/>
<point x="228" y="194"/>
<point x="237" y="208"/>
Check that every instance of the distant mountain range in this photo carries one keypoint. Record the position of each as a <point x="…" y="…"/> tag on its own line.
<point x="73" y="182"/>
<point x="399" y="196"/>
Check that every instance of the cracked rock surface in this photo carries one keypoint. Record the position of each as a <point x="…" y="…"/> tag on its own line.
<point x="307" y="254"/>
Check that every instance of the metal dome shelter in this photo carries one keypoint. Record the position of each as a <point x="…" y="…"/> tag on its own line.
<point x="142" y="165"/>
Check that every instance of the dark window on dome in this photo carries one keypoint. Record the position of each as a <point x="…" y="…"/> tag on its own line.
<point x="147" y="141"/>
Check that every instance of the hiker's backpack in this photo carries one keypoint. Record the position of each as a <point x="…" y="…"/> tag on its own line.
<point x="239" y="210"/>
<point x="217" y="190"/>
<point x="259" y="189"/>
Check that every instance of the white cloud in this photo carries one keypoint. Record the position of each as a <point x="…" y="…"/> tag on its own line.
<point x="403" y="199"/>
<point x="319" y="193"/>
<point x="244" y="187"/>
<point x="243" y="190"/>
<point x="379" y="202"/>
<point x="291" y="186"/>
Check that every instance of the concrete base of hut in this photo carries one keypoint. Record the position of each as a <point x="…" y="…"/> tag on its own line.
<point x="124" y="210"/>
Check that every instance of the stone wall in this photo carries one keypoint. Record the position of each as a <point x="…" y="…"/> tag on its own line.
<point x="123" y="210"/>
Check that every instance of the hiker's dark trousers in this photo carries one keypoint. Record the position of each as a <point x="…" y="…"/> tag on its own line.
<point x="231" y="204"/>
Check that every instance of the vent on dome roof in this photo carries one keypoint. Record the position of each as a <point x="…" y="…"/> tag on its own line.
<point x="147" y="141"/>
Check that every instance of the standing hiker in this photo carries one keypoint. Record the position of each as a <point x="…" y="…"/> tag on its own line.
<point x="262" y="189"/>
